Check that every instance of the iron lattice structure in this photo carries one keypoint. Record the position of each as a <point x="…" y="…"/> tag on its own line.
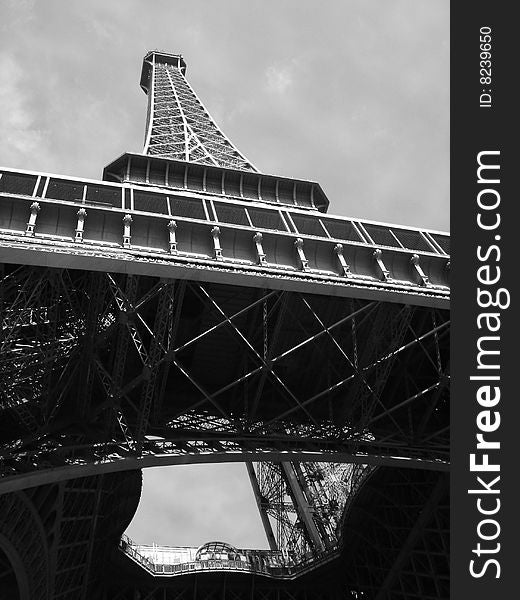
<point x="190" y="309"/>
<point x="178" y="124"/>
<point x="305" y="502"/>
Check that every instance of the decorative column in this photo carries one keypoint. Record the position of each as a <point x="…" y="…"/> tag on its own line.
<point x="82" y="213"/>
<point x="384" y="272"/>
<point x="172" y="228"/>
<point x="415" y="262"/>
<point x="260" y="254"/>
<point x="31" y="224"/>
<point x="345" y="268"/>
<point x="215" y="232"/>
<point x="298" y="244"/>
<point x="127" y="221"/>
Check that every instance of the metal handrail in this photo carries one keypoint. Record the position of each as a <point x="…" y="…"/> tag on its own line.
<point x="265" y="562"/>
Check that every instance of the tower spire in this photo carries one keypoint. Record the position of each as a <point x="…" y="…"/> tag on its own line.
<point x="178" y="125"/>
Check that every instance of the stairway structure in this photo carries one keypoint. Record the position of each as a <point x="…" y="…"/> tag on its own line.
<point x="190" y="309"/>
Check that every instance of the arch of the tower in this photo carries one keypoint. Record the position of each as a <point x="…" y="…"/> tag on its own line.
<point x="14" y="579"/>
<point x="394" y="542"/>
<point x="56" y="539"/>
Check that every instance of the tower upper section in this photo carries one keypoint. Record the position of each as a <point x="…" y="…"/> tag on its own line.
<point x="185" y="150"/>
<point x="178" y="126"/>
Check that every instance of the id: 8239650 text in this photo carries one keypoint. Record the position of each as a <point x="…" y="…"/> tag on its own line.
<point x="485" y="67"/>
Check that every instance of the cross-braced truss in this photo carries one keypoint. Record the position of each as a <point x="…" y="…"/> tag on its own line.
<point x="179" y="126"/>
<point x="130" y="368"/>
<point x="301" y="504"/>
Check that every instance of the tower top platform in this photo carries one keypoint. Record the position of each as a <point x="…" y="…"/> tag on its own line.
<point x="152" y="56"/>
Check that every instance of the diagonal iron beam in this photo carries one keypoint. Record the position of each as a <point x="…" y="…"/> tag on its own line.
<point x="112" y="393"/>
<point x="157" y="350"/>
<point x="269" y="354"/>
<point x="443" y="385"/>
<point x="344" y="381"/>
<point x="171" y="335"/>
<point x="261" y="507"/>
<point x="336" y="344"/>
<point x="293" y="349"/>
<point x="265" y="365"/>
<point x="222" y="323"/>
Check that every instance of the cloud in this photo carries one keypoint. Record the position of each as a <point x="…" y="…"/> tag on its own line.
<point x="102" y="29"/>
<point x="280" y="78"/>
<point x="188" y="505"/>
<point x="21" y="12"/>
<point x="17" y="123"/>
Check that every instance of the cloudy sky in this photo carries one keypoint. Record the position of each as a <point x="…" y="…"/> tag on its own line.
<point x="354" y="95"/>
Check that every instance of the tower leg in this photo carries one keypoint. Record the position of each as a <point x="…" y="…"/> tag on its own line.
<point x="261" y="507"/>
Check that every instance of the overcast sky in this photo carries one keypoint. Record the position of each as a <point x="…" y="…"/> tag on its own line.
<point x="354" y="95"/>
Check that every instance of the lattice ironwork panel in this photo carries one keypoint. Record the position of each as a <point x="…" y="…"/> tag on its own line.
<point x="179" y="126"/>
<point x="206" y="370"/>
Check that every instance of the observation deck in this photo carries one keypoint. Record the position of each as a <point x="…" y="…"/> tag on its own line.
<point x="175" y="60"/>
<point x="174" y="561"/>
<point x="190" y="230"/>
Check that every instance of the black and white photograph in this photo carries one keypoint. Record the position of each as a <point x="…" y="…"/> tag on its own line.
<point x="226" y="352"/>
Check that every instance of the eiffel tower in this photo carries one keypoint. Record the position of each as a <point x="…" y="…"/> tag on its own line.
<point x="188" y="308"/>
